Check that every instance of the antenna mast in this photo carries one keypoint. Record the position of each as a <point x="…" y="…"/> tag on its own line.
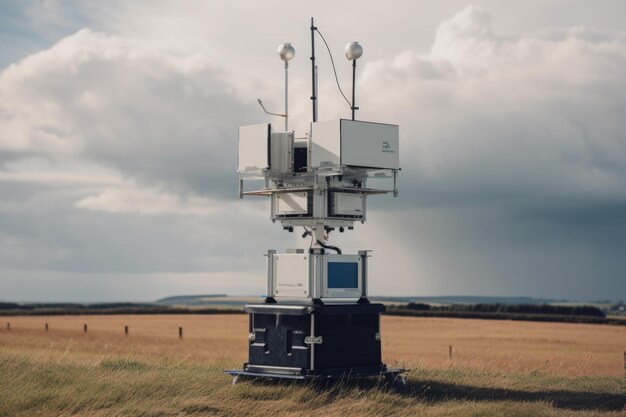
<point x="313" y="72"/>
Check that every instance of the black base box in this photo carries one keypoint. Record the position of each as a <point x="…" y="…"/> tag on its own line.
<point x="314" y="339"/>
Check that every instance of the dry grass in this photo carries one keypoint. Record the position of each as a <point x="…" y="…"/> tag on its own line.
<point x="498" y="368"/>
<point x="556" y="348"/>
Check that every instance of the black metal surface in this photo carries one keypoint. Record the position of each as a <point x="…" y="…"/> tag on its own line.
<point x="348" y="332"/>
<point x="279" y="340"/>
<point x="300" y="156"/>
<point x="349" y="340"/>
<point x="351" y="374"/>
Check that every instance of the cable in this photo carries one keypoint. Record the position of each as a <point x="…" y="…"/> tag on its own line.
<point x="325" y="246"/>
<point x="334" y="70"/>
<point x="319" y="242"/>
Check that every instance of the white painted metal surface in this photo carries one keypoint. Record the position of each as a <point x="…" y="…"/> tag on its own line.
<point x="324" y="144"/>
<point x="281" y="145"/>
<point x="370" y="145"/>
<point x="291" y="203"/>
<point x="354" y="143"/>
<point x="291" y="275"/>
<point x="348" y="204"/>
<point x="253" y="147"/>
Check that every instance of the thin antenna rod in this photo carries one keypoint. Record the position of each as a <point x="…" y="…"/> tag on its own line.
<point x="313" y="78"/>
<point x="353" y="87"/>
<point x="287" y="96"/>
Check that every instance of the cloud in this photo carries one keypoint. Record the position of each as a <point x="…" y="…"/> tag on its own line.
<point x="514" y="157"/>
<point x="152" y="116"/>
<point x="147" y="201"/>
<point x="537" y="117"/>
<point x="118" y="158"/>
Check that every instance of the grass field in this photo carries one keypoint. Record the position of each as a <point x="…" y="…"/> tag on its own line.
<point x="499" y="368"/>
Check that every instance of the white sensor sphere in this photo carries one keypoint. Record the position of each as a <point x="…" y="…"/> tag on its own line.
<point x="353" y="51"/>
<point x="286" y="51"/>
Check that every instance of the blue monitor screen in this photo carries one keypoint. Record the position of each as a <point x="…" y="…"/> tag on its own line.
<point x="343" y="275"/>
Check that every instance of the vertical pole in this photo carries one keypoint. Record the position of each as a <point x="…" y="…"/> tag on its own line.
<point x="269" y="296"/>
<point x="450" y="353"/>
<point x="353" y="87"/>
<point x="46" y="327"/>
<point x="363" y="255"/>
<point x="316" y="92"/>
<point x="312" y="344"/>
<point x="395" y="183"/>
<point x="126" y="330"/>
<point x="8" y="326"/>
<point x="286" y="96"/>
<point x="85" y="328"/>
<point x="180" y="332"/>
<point x="313" y="80"/>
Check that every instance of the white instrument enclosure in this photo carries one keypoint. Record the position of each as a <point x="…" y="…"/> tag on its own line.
<point x="281" y="152"/>
<point x="347" y="204"/>
<point x="289" y="204"/>
<point x="291" y="275"/>
<point x="325" y="276"/>
<point x="254" y="144"/>
<point x="368" y="145"/>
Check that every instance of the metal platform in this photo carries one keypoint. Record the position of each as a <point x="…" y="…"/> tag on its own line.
<point x="392" y="375"/>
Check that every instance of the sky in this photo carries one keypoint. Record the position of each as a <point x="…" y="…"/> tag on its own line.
<point x="118" y="144"/>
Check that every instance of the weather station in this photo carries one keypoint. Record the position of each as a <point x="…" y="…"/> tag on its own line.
<point x="316" y="321"/>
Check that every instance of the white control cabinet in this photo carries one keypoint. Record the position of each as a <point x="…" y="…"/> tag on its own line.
<point x="323" y="276"/>
<point x="358" y="144"/>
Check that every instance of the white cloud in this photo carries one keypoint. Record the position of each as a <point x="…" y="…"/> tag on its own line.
<point x="119" y="158"/>
<point x="533" y="116"/>
<point x="147" y="201"/>
<point x="115" y="103"/>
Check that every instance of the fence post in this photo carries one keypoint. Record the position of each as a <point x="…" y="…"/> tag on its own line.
<point x="46" y="326"/>
<point x="8" y="326"/>
<point x="450" y="353"/>
<point x="85" y="328"/>
<point x="126" y="330"/>
<point x="180" y="334"/>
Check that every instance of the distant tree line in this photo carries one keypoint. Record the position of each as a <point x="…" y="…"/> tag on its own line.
<point x="57" y="309"/>
<point x="588" y="311"/>
<point x="69" y="306"/>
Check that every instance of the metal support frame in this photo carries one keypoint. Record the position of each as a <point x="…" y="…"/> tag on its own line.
<point x="269" y="297"/>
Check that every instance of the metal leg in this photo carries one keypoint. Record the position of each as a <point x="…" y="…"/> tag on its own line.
<point x="396" y="380"/>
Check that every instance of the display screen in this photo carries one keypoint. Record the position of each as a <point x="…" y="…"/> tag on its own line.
<point x="343" y="275"/>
